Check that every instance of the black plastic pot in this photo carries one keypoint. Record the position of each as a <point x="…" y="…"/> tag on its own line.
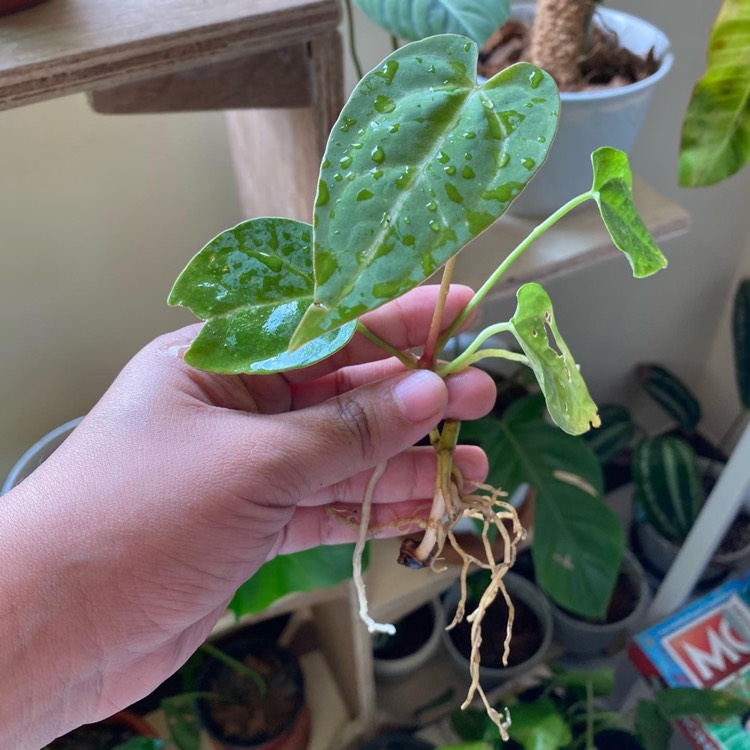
<point x="284" y="684"/>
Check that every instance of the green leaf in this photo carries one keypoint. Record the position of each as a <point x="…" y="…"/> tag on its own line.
<point x="252" y="285"/>
<point x="653" y="730"/>
<point x="716" y="131"/>
<point x="578" y="541"/>
<point x="614" y="434"/>
<point x="676" y="703"/>
<point x="668" y="485"/>
<point x="317" y="568"/>
<point x="416" y="19"/>
<point x="602" y="680"/>
<point x="420" y="161"/>
<point x="671" y="394"/>
<point x="741" y="340"/>
<point x="182" y="720"/>
<point x="141" y="743"/>
<point x="533" y="325"/>
<point x="539" y="725"/>
<point x="613" y="192"/>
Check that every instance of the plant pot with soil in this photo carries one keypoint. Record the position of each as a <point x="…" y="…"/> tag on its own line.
<point x="531" y="633"/>
<point x="415" y="641"/>
<point x="241" y="712"/>
<point x="627" y="606"/>
<point x="605" y="93"/>
<point x="108" y="734"/>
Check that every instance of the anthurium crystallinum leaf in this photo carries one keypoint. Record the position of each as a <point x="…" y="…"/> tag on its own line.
<point x="417" y="19"/>
<point x="252" y="285"/>
<point x="420" y="161"/>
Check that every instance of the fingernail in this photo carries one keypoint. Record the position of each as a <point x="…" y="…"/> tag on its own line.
<point x="421" y="395"/>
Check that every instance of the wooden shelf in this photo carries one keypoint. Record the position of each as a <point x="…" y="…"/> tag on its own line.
<point x="579" y="240"/>
<point x="68" y="46"/>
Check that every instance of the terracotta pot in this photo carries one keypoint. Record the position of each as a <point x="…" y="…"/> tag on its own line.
<point x="293" y="733"/>
<point x="128" y="720"/>
<point x="13" y="6"/>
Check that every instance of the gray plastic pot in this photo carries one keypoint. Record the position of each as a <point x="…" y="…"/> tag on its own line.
<point x="584" y="638"/>
<point x="590" y="119"/>
<point x="519" y="589"/>
<point x="38" y="454"/>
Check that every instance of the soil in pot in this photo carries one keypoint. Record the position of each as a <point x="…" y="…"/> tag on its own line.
<point x="607" y="65"/>
<point x="526" y="638"/>
<point x="411" y="634"/>
<point x="242" y="716"/>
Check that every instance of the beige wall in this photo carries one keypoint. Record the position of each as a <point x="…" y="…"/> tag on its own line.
<point x="98" y="215"/>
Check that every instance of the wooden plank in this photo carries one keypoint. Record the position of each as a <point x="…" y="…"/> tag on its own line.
<point x="68" y="46"/>
<point x="278" y="78"/>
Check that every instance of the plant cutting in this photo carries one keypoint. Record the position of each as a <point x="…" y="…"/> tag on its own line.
<point x="420" y="161"/>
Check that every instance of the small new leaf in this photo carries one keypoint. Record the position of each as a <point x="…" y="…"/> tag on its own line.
<point x="252" y="284"/>
<point x="420" y="161"/>
<point x="565" y="392"/>
<point x="613" y="192"/>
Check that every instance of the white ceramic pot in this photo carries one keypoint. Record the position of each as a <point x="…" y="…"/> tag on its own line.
<point x="590" y="119"/>
<point x="392" y="670"/>
<point x="37" y="454"/>
<point x="584" y="638"/>
<point x="519" y="589"/>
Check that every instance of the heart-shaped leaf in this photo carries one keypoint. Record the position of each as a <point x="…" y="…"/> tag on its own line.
<point x="420" y="161"/>
<point x="565" y="392"/>
<point x="252" y="285"/>
<point x="716" y="132"/>
<point x="613" y="192"/>
<point x="578" y="541"/>
<point x="417" y="19"/>
<point x="540" y="725"/>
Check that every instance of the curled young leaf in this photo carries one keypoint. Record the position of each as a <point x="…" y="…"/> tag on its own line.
<point x="613" y="192"/>
<point x="252" y="285"/>
<point x="420" y="161"/>
<point x="533" y="325"/>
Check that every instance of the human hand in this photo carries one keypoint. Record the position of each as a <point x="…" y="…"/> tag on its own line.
<point x="179" y="484"/>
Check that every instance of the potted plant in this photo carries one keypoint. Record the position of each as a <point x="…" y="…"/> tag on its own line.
<point x="417" y="164"/>
<point x="531" y="629"/>
<point x="414" y="643"/>
<point x="673" y="473"/>
<point x="607" y="64"/>
<point x="124" y="730"/>
<point x="625" y="611"/>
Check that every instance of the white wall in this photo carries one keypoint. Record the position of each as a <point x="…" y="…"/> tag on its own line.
<point x="98" y="215"/>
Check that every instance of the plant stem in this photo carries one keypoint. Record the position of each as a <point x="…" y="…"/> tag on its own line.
<point x="234" y="664"/>
<point x="479" y="356"/>
<point x="431" y="349"/>
<point x="460" y="362"/>
<point x="406" y="359"/>
<point x="590" y="716"/>
<point x="352" y="42"/>
<point x="503" y="267"/>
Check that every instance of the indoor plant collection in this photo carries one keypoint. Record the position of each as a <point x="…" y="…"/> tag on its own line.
<point x="420" y="161"/>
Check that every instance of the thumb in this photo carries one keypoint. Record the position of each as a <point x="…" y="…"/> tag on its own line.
<point x="356" y="430"/>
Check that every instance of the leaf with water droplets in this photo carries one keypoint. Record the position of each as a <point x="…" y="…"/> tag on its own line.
<point x="417" y="19"/>
<point x="252" y="285"/>
<point x="613" y="192"/>
<point x="568" y="400"/>
<point x="438" y="167"/>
